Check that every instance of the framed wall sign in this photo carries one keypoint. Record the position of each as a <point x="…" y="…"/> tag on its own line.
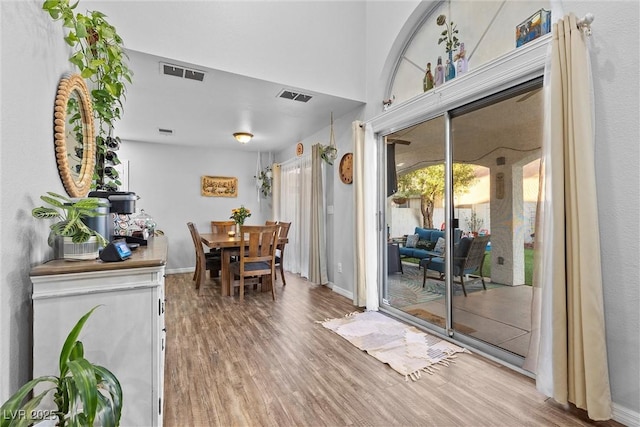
<point x="219" y="186"/>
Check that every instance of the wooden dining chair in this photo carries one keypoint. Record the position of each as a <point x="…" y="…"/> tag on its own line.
<point x="222" y="227"/>
<point x="204" y="261"/>
<point x="257" y="257"/>
<point x="269" y="222"/>
<point x="283" y="232"/>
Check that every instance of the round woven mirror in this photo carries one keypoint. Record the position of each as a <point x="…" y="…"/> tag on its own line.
<point x="75" y="144"/>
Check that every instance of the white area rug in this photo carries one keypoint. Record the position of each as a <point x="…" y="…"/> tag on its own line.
<point x="404" y="348"/>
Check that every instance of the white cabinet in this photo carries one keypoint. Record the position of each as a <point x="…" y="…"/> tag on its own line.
<point x="125" y="334"/>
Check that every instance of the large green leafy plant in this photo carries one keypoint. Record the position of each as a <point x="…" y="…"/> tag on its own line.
<point x="70" y="214"/>
<point x="98" y="52"/>
<point x="84" y="393"/>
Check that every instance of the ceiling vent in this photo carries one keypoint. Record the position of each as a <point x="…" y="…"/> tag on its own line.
<point x="295" y="96"/>
<point x="166" y="132"/>
<point x="178" y="71"/>
<point x="194" y="75"/>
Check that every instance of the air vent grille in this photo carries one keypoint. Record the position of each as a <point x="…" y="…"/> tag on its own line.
<point x="170" y="70"/>
<point x="182" y="72"/>
<point x="194" y="75"/>
<point x="295" y="96"/>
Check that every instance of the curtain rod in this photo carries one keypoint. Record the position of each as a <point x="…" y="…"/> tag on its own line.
<point x="293" y="160"/>
<point x="584" y="24"/>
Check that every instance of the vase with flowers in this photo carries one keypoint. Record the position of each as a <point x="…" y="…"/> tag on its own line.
<point x="449" y="36"/>
<point x="239" y="215"/>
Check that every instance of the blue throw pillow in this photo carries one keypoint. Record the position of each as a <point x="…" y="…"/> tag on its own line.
<point x="412" y="241"/>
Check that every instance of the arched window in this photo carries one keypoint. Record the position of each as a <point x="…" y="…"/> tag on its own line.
<point x="486" y="30"/>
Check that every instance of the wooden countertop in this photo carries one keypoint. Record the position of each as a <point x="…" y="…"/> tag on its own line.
<point x="152" y="255"/>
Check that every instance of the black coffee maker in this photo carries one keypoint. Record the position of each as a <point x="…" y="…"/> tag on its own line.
<point x="123" y="203"/>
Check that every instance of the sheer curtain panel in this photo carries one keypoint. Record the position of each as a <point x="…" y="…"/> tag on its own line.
<point x="570" y="344"/>
<point x="365" y="291"/>
<point x="295" y="197"/>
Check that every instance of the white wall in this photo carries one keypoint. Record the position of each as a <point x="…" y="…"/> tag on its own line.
<point x="314" y="45"/>
<point x="167" y="179"/>
<point x="340" y="224"/>
<point x="34" y="57"/>
<point x="614" y="57"/>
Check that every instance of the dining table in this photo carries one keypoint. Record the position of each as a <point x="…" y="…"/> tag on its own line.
<point x="229" y="246"/>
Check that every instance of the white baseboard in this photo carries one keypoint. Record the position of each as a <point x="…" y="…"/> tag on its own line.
<point x="625" y="416"/>
<point x="341" y="291"/>
<point x="181" y="270"/>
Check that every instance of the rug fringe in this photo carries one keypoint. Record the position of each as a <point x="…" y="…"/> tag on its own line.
<point x="431" y="369"/>
<point x="414" y="376"/>
<point x="353" y="313"/>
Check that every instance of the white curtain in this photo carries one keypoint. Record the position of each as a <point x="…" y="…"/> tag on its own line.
<point x="568" y="350"/>
<point x="360" y="285"/>
<point x="365" y="292"/>
<point x="294" y="193"/>
<point x="298" y="197"/>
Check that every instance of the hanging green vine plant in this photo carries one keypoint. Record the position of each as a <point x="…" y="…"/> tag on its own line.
<point x="100" y="58"/>
<point x="329" y="153"/>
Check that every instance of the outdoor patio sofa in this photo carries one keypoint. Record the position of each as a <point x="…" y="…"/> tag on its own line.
<point x="427" y="239"/>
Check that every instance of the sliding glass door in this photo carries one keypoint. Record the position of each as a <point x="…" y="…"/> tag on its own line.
<point x="460" y="216"/>
<point x="415" y="215"/>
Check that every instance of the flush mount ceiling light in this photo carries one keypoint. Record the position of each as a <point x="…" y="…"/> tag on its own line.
<point x="243" y="137"/>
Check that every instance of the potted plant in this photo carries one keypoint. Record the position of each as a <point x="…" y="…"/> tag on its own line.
<point x="83" y="392"/>
<point x="474" y="223"/>
<point x="400" y="198"/>
<point x="263" y="181"/>
<point x="70" y="236"/>
<point x="328" y="153"/>
<point x="98" y="52"/>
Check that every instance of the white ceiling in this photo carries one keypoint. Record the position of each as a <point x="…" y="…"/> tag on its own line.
<point x="513" y="124"/>
<point x="207" y="113"/>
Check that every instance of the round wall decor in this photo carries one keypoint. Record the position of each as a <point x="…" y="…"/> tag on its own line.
<point x="346" y="168"/>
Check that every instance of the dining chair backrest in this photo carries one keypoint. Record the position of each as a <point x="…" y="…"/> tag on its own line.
<point x="222" y="227"/>
<point x="204" y="262"/>
<point x="283" y="230"/>
<point x="269" y="222"/>
<point x="257" y="243"/>
<point x="201" y="262"/>
<point x="257" y="255"/>
<point x="195" y="237"/>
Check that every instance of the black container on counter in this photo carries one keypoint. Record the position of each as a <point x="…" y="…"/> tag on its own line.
<point x="122" y="202"/>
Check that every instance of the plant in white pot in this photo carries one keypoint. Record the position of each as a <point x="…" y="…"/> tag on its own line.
<point x="85" y="394"/>
<point x="71" y="236"/>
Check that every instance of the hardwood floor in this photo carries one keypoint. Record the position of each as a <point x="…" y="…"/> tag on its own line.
<point x="266" y="363"/>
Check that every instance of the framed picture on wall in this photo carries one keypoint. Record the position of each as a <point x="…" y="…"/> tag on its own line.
<point x="219" y="186"/>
